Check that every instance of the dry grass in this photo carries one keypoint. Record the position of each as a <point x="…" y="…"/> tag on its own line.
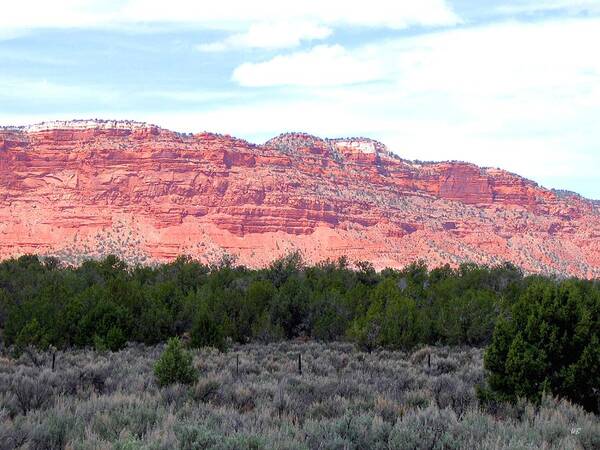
<point x="344" y="399"/>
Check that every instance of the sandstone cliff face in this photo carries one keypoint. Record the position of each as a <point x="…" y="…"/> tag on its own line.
<point x="90" y="188"/>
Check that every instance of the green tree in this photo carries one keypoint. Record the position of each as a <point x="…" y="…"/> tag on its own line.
<point x="4" y="307"/>
<point x="283" y="268"/>
<point x="255" y="303"/>
<point x="31" y="335"/>
<point x="175" y="365"/>
<point x="368" y="330"/>
<point x="115" y="339"/>
<point x="207" y="331"/>
<point x="401" y="324"/>
<point x="329" y="316"/>
<point x="467" y="319"/>
<point x="289" y="309"/>
<point x="549" y="343"/>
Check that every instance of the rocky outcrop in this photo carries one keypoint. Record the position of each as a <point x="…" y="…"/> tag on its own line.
<point x="88" y="188"/>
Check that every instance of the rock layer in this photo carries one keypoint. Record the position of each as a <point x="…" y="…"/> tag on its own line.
<point x="89" y="188"/>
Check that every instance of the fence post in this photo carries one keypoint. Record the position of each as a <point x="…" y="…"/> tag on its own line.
<point x="237" y="365"/>
<point x="429" y="360"/>
<point x="300" y="363"/>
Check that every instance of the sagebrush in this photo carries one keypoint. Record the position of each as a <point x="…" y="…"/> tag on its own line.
<point x="344" y="399"/>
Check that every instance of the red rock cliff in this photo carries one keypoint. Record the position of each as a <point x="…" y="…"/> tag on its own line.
<point x="88" y="188"/>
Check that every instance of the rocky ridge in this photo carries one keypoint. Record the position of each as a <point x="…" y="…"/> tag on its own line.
<point x="88" y="188"/>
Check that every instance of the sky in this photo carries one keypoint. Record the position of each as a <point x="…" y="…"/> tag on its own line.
<point x="512" y="84"/>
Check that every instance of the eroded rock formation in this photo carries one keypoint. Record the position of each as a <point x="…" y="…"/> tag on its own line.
<point x="89" y="188"/>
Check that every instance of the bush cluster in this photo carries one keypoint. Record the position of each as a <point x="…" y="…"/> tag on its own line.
<point x="549" y="343"/>
<point x="106" y="303"/>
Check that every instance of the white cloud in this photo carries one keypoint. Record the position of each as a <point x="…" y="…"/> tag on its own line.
<point x="538" y="6"/>
<point x="7" y="35"/>
<point x="197" y="96"/>
<point x="322" y="65"/>
<point x="44" y="90"/>
<point x="31" y="14"/>
<point x="270" y="36"/>
<point x="270" y="24"/>
<point x="235" y="15"/>
<point x="522" y="96"/>
<point x="505" y="59"/>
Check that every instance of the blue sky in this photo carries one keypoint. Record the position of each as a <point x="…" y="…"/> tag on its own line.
<point x="511" y="84"/>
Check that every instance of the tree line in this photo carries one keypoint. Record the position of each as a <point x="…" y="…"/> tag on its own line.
<point x="532" y="324"/>
<point x="106" y="303"/>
